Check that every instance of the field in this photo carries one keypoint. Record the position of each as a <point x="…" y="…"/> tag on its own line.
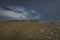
<point x="29" y="30"/>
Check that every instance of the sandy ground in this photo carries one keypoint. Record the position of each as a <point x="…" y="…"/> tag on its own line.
<point x="29" y="30"/>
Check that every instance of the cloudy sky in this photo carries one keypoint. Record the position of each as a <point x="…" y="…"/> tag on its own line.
<point x="45" y="10"/>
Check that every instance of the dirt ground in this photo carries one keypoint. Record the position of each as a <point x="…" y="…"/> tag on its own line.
<point x="28" y="30"/>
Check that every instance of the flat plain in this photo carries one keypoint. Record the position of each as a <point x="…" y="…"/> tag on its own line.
<point x="29" y="30"/>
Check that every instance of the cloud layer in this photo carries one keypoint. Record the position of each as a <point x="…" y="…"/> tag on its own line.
<point x="49" y="9"/>
<point x="20" y="13"/>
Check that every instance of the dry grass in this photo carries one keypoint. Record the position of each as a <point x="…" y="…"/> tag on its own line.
<point x="29" y="30"/>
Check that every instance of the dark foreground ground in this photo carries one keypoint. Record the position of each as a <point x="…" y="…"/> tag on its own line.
<point x="29" y="30"/>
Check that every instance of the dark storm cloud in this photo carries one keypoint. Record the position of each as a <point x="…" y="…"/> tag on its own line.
<point x="11" y="2"/>
<point x="17" y="10"/>
<point x="50" y="9"/>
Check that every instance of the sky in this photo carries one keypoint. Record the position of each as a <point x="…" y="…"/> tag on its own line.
<point x="44" y="10"/>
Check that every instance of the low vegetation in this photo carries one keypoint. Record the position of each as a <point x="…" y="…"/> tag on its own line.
<point x="29" y="30"/>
